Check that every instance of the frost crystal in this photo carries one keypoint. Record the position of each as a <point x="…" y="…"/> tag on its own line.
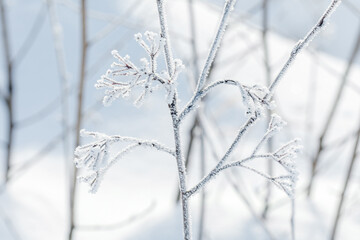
<point x="94" y="156"/>
<point x="124" y="75"/>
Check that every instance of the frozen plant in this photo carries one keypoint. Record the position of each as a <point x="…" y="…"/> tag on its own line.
<point x="124" y="76"/>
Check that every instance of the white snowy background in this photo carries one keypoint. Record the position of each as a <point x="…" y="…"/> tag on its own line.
<point x="136" y="200"/>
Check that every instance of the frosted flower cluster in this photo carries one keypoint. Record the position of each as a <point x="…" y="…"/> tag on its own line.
<point x="124" y="75"/>
<point x="94" y="157"/>
<point x="255" y="100"/>
<point x="284" y="156"/>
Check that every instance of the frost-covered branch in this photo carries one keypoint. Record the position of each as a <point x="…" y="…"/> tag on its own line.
<point x="284" y="156"/>
<point x="165" y="36"/>
<point x="321" y="24"/>
<point x="275" y="125"/>
<point x="228" y="7"/>
<point x="252" y="96"/>
<point x="95" y="156"/>
<point x="144" y="77"/>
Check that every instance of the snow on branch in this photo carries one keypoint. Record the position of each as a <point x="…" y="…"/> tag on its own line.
<point x="94" y="157"/>
<point x="124" y="75"/>
<point x="287" y="151"/>
<point x="284" y="156"/>
<point x="303" y="43"/>
<point x="253" y="97"/>
<point x="228" y="8"/>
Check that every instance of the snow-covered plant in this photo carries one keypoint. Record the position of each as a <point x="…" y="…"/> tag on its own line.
<point x="145" y="76"/>
<point x="94" y="157"/>
<point x="124" y="76"/>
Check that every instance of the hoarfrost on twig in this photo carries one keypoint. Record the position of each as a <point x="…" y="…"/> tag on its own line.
<point x="94" y="157"/>
<point x="124" y="75"/>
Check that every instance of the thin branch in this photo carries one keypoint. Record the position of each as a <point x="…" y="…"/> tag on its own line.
<point x="331" y="115"/>
<point x="345" y="187"/>
<point x="174" y="116"/>
<point x="9" y="88"/>
<point x="137" y="141"/>
<point x="304" y="43"/>
<point x="228" y="7"/>
<point x="165" y="35"/>
<point x="265" y="44"/>
<point x="203" y="193"/>
<point x="237" y="189"/>
<point x="217" y="168"/>
<point x="202" y="93"/>
<point x="253" y="118"/>
<point x="79" y="120"/>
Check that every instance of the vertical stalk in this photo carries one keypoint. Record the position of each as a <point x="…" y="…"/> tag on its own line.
<point x="79" y="113"/>
<point x="345" y="187"/>
<point x="189" y="149"/>
<point x="8" y="97"/>
<point x="181" y="171"/>
<point x="265" y="26"/>
<point x="203" y="193"/>
<point x="174" y="116"/>
<point x="197" y="123"/>
<point x="332" y="114"/>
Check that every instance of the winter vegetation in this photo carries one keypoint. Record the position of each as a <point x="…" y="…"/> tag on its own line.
<point x="225" y="122"/>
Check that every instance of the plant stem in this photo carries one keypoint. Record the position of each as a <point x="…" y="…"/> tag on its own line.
<point x="9" y="94"/>
<point x="345" y="187"/>
<point x="181" y="171"/>
<point x="203" y="193"/>
<point x="268" y="82"/>
<point x="79" y="113"/>
<point x="332" y="114"/>
<point x="174" y="116"/>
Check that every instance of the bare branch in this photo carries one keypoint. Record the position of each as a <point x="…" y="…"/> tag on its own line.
<point x="117" y="138"/>
<point x="9" y="89"/>
<point x="228" y="7"/>
<point x="79" y="109"/>
<point x="165" y="35"/>
<point x="332" y="112"/>
<point x="202" y="93"/>
<point x="215" y="170"/>
<point x="321" y="24"/>
<point x="346" y="185"/>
